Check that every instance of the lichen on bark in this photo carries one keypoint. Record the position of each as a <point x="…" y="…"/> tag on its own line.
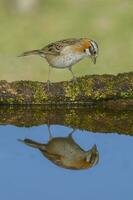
<point x="89" y="90"/>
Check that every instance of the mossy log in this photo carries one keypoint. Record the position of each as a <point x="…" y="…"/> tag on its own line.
<point x="108" y="90"/>
<point x="89" y="119"/>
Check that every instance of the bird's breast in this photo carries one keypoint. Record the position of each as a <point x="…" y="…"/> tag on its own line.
<point x="65" y="60"/>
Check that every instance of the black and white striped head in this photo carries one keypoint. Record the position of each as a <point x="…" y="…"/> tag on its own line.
<point x="93" y="50"/>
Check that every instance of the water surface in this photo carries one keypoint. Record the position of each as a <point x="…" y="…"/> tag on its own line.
<point x="27" y="174"/>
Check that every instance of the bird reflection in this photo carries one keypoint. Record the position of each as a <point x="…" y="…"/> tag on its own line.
<point x="65" y="152"/>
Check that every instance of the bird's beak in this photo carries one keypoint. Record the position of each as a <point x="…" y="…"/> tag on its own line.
<point x="93" y="58"/>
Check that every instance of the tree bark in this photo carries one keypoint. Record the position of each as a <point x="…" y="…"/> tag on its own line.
<point x="108" y="90"/>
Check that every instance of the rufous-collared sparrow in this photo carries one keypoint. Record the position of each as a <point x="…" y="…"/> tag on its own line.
<point x="65" y="53"/>
<point x="66" y="153"/>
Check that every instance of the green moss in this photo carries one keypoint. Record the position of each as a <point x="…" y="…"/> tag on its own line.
<point x="39" y="96"/>
<point x="72" y="91"/>
<point x="88" y="89"/>
<point x="20" y="99"/>
<point x="1" y="99"/>
<point x="126" y="94"/>
<point x="38" y="92"/>
<point x="33" y="92"/>
<point x="10" y="100"/>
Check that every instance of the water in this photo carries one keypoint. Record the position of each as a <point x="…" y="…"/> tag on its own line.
<point x="26" y="174"/>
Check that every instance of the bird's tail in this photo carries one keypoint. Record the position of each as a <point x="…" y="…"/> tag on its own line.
<point x="29" y="53"/>
<point x="33" y="144"/>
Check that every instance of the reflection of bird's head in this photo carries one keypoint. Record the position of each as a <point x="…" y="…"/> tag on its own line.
<point x="92" y="156"/>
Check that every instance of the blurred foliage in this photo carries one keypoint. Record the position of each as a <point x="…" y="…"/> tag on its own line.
<point x="107" y="22"/>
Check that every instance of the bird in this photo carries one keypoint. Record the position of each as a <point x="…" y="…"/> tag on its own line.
<point x="65" y="53"/>
<point x="66" y="153"/>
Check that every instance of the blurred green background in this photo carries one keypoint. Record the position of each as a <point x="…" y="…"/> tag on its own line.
<point x="31" y="24"/>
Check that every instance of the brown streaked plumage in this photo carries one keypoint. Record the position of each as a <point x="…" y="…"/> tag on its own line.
<point x="65" y="53"/>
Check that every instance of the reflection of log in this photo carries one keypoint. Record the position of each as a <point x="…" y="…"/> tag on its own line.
<point x="109" y="90"/>
<point x="91" y="119"/>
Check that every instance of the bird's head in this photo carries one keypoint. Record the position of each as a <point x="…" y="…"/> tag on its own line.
<point x="92" y="50"/>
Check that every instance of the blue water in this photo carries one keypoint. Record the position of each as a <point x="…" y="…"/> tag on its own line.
<point x="26" y="174"/>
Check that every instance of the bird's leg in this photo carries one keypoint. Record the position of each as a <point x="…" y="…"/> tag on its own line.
<point x="74" y="79"/>
<point x="70" y="134"/>
<point x="49" y="131"/>
<point x="48" y="81"/>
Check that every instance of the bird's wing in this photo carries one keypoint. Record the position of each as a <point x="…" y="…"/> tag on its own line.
<point x="56" y="158"/>
<point x="55" y="48"/>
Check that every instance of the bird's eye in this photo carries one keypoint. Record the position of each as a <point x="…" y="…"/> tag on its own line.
<point x="94" y="52"/>
<point x="84" y="50"/>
